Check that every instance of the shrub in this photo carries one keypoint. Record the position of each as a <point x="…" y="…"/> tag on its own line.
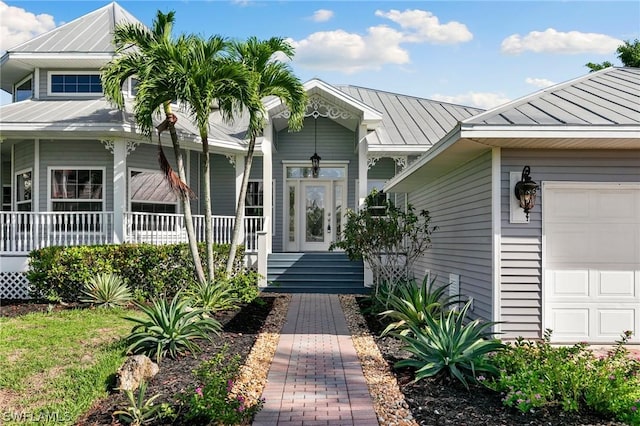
<point x="139" y="410"/>
<point x="448" y="347"/>
<point x="59" y="273"/>
<point x="245" y="286"/>
<point x="106" y="290"/>
<point x="170" y="328"/>
<point x="214" y="400"/>
<point x="410" y="304"/>
<point x="535" y="374"/>
<point x="213" y="296"/>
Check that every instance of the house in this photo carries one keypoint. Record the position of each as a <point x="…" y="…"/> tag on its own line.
<point x="573" y="263"/>
<point x="74" y="170"/>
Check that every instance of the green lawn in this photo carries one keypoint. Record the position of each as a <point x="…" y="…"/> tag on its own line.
<point x="53" y="366"/>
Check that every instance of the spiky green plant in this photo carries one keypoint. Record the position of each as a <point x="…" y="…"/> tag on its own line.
<point x="410" y="304"/>
<point x="106" y="290"/>
<point x="213" y="296"/>
<point x="449" y="347"/>
<point x="139" y="410"/>
<point x="170" y="328"/>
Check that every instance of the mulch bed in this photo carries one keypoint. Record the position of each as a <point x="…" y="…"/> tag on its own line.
<point x="433" y="402"/>
<point x="240" y="330"/>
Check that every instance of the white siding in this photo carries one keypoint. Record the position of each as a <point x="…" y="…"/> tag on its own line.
<point x="460" y="206"/>
<point x="521" y="248"/>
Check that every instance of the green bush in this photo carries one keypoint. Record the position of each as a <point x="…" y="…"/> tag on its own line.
<point x="107" y="290"/>
<point x="535" y="374"/>
<point x="139" y="409"/>
<point x="170" y="328"/>
<point x="449" y="347"/>
<point x="59" y="273"/>
<point x="214" y="400"/>
<point x="213" y="296"/>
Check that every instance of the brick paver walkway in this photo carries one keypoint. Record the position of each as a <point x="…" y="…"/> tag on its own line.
<point x="316" y="377"/>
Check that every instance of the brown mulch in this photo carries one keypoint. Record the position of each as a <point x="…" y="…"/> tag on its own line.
<point x="433" y="402"/>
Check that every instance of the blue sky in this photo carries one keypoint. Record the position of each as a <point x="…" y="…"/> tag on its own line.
<point x="479" y="53"/>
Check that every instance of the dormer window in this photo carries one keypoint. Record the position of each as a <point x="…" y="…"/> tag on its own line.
<point x="74" y="83"/>
<point x="23" y="90"/>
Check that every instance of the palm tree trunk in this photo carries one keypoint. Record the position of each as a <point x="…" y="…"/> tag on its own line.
<point x="207" y="206"/>
<point x="184" y="200"/>
<point x="240" y="207"/>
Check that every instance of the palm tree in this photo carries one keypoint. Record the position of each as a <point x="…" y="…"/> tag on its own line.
<point x="205" y="80"/>
<point x="268" y="76"/>
<point x="136" y="46"/>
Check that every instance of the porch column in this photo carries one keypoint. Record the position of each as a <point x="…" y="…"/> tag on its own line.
<point x="35" y="177"/>
<point x="363" y="167"/>
<point x="239" y="164"/>
<point x="267" y="183"/>
<point x="119" y="189"/>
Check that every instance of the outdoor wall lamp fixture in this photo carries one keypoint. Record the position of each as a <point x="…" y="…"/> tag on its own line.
<point x="525" y="191"/>
<point x="315" y="158"/>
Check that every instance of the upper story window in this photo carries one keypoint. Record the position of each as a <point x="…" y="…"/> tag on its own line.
<point x="23" y="90"/>
<point x="78" y="83"/>
<point x="77" y="189"/>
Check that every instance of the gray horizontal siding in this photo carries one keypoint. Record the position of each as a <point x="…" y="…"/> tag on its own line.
<point x="384" y="169"/>
<point x="77" y="153"/>
<point x="223" y="186"/>
<point x="194" y="180"/>
<point x="460" y="206"/>
<point x="334" y="142"/>
<point x="521" y="244"/>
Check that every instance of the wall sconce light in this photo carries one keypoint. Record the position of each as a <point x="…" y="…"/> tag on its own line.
<point x="315" y="158"/>
<point x="525" y="191"/>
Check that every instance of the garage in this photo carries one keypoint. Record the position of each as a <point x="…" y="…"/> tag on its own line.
<point x="591" y="260"/>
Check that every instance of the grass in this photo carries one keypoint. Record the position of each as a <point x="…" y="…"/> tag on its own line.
<point x="53" y="366"/>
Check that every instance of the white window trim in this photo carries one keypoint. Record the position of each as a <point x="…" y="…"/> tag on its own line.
<point x="128" y="92"/>
<point x="131" y="200"/>
<point x="20" y="83"/>
<point x="71" y="72"/>
<point x="51" y="200"/>
<point x="14" y="197"/>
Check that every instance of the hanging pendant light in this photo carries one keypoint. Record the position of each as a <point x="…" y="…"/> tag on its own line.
<point x="315" y="158"/>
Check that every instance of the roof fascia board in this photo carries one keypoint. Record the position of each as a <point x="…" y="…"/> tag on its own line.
<point x="556" y="132"/>
<point x="451" y="138"/>
<point x="30" y="56"/>
<point x="398" y="148"/>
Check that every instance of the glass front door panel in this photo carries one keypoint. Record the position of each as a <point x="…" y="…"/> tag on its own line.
<point x="315" y="196"/>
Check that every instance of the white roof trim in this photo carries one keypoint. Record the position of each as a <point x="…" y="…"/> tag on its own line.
<point x="555" y="132"/>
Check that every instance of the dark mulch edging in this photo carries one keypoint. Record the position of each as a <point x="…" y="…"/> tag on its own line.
<point x="240" y="331"/>
<point x="434" y="403"/>
<point x="15" y="307"/>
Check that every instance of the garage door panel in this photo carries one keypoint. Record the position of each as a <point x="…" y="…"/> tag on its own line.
<point x="617" y="284"/>
<point x="591" y="260"/>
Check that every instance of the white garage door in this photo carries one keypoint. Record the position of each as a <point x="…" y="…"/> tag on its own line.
<point x="591" y="248"/>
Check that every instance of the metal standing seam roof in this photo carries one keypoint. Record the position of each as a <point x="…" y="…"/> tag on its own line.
<point x="91" y="33"/>
<point x="409" y="120"/>
<point x="607" y="97"/>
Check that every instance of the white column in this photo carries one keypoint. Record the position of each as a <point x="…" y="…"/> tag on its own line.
<point x="35" y="178"/>
<point x="267" y="183"/>
<point x="119" y="188"/>
<point x="363" y="151"/>
<point x="36" y="83"/>
<point x="239" y="163"/>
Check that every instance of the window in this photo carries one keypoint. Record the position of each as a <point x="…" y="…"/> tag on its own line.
<point x="60" y="83"/>
<point x="24" y="184"/>
<point x="77" y="190"/>
<point x="23" y="90"/>
<point x="254" y="202"/>
<point x="149" y="192"/>
<point x="6" y="198"/>
<point x="376" y="200"/>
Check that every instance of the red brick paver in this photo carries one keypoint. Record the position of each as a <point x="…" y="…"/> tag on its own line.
<point x="316" y="377"/>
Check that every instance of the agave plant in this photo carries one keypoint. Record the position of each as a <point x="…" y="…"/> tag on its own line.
<point x="170" y="328"/>
<point x="410" y="305"/>
<point x="213" y="296"/>
<point x="139" y="411"/>
<point x="449" y="347"/>
<point x="107" y="290"/>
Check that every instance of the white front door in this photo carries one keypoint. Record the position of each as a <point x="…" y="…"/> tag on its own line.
<point x="316" y="222"/>
<point x="592" y="260"/>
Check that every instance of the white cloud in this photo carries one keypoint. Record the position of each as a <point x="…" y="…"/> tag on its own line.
<point x="348" y="52"/>
<point x="17" y="25"/>
<point x="423" y="26"/>
<point x="539" y="82"/>
<point x="322" y="15"/>
<point x="484" y="100"/>
<point x="553" y="41"/>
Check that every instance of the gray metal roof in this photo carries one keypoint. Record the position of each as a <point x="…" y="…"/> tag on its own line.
<point x="607" y="97"/>
<point x="408" y="120"/>
<point x="91" y="33"/>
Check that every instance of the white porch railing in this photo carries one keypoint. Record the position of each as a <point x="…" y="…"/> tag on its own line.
<point x="26" y="231"/>
<point x="22" y="232"/>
